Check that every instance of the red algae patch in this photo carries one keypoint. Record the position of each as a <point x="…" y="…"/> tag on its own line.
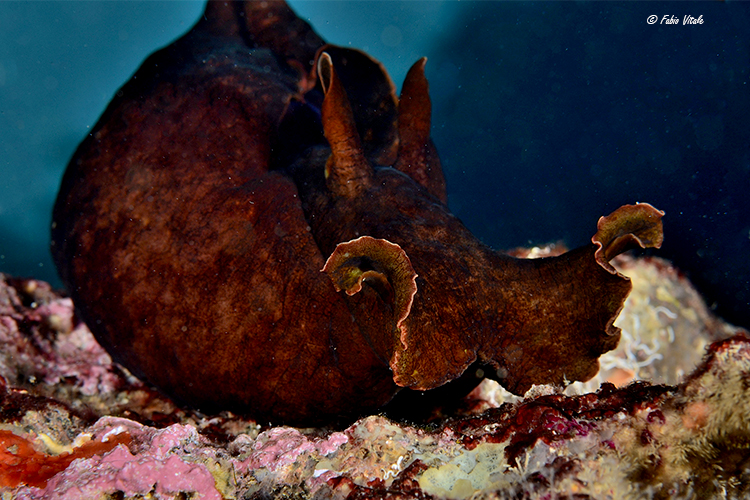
<point x="23" y="464"/>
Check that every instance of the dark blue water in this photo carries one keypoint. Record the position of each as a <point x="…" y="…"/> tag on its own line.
<point x="546" y="115"/>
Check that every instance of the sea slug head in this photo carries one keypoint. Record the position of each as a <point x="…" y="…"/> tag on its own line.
<point x="381" y="215"/>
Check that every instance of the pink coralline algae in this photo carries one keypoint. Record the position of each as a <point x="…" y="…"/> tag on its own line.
<point x="686" y="440"/>
<point x="280" y="447"/>
<point x="163" y="465"/>
<point x="30" y="352"/>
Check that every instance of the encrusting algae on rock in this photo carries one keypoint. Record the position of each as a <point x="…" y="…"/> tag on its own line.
<point x="687" y="440"/>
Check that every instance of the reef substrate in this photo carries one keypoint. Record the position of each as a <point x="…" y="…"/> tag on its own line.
<point x="666" y="417"/>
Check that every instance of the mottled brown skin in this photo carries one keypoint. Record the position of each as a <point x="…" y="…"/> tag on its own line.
<point x="192" y="225"/>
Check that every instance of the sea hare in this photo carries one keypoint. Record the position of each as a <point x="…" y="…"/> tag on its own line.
<point x="194" y="221"/>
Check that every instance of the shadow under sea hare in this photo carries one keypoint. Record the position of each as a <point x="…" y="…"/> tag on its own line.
<point x="193" y="223"/>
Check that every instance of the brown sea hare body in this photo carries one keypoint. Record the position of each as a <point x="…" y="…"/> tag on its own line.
<point x="193" y="223"/>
